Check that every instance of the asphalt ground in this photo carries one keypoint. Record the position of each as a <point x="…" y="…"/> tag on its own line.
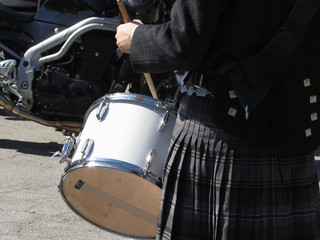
<point x="31" y="206"/>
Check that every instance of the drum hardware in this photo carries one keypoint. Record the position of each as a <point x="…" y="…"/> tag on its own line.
<point x="126" y="167"/>
<point x="120" y="165"/>
<point x="105" y="101"/>
<point x="164" y="121"/>
<point x="150" y="158"/>
<point x="66" y="150"/>
<point x="160" y="104"/>
<point x="86" y="148"/>
<point x="102" y="108"/>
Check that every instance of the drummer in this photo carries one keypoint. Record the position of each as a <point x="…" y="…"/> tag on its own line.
<point x="241" y="162"/>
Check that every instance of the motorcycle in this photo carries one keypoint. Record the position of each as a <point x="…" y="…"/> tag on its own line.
<point x="57" y="60"/>
<point x="30" y="6"/>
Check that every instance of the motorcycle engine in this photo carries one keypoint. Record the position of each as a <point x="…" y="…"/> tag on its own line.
<point x="66" y="88"/>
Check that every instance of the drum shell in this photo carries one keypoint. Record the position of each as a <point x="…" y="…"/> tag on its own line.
<point x="127" y="130"/>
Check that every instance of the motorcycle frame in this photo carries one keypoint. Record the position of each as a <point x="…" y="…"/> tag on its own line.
<point x="33" y="58"/>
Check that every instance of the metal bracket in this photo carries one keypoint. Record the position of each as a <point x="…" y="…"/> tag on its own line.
<point x="86" y="148"/>
<point x="164" y="121"/>
<point x="102" y="108"/>
<point x="150" y="158"/>
<point x="66" y="150"/>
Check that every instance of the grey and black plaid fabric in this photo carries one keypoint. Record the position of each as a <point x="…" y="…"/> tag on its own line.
<point x="219" y="187"/>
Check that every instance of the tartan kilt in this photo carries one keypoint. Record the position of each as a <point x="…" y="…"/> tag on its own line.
<point x="217" y="186"/>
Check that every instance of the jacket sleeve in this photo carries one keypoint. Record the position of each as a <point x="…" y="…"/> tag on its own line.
<point x="179" y="44"/>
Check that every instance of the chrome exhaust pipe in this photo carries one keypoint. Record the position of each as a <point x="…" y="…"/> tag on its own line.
<point x="9" y="106"/>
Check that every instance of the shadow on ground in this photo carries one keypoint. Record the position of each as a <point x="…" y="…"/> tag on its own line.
<point x="41" y="149"/>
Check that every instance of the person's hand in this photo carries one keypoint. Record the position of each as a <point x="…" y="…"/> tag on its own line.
<point x="124" y="33"/>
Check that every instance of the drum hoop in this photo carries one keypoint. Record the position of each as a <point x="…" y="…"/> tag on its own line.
<point x="130" y="97"/>
<point x="117" y="165"/>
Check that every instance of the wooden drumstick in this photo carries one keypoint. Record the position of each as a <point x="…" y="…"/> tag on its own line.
<point x="123" y="11"/>
<point x="147" y="76"/>
<point x="39" y="4"/>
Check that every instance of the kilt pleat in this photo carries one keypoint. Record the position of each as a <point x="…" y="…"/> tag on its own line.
<point x="216" y="186"/>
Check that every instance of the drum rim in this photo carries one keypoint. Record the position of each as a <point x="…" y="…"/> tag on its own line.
<point x="130" y="97"/>
<point x="117" y="165"/>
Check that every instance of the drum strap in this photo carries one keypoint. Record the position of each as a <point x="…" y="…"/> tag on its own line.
<point x="89" y="189"/>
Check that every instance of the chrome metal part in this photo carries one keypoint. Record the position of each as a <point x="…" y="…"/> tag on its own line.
<point x="150" y="158"/>
<point x="115" y="164"/>
<point x="122" y="97"/>
<point x="7" y="66"/>
<point x="8" y="78"/>
<point x="11" y="107"/>
<point x="164" y="121"/>
<point x="102" y="108"/>
<point x="86" y="148"/>
<point x="2" y="57"/>
<point x="67" y="149"/>
<point x="33" y="58"/>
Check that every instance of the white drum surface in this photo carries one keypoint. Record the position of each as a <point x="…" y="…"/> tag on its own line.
<point x="107" y="186"/>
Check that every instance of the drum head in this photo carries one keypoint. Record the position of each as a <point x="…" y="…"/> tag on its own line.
<point x="115" y="200"/>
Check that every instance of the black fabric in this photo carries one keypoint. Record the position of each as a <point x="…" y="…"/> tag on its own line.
<point x="217" y="186"/>
<point x="253" y="77"/>
<point x="253" y="128"/>
<point x="237" y="31"/>
<point x="189" y="35"/>
<point x="293" y="110"/>
<point x="206" y="34"/>
<point x="284" y="115"/>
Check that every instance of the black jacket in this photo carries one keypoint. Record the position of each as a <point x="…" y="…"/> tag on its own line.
<point x="203" y="35"/>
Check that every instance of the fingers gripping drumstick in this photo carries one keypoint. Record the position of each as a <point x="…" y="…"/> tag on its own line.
<point x="126" y="19"/>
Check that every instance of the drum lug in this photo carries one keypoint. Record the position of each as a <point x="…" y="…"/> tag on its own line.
<point x="86" y="148"/>
<point x="102" y="108"/>
<point x="164" y="121"/>
<point x="150" y="158"/>
<point x="66" y="150"/>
